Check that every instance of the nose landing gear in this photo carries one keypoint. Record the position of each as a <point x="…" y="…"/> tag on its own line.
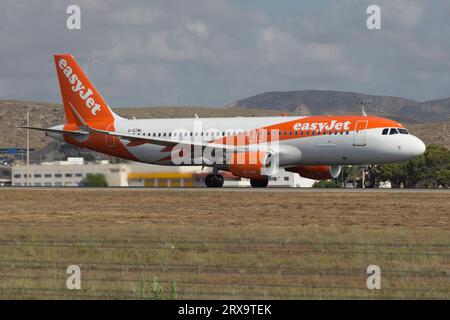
<point x="214" y="180"/>
<point x="369" y="177"/>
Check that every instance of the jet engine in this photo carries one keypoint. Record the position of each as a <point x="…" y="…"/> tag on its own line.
<point x="322" y="172"/>
<point x="251" y="165"/>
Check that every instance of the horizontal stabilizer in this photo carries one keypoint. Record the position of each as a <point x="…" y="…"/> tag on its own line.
<point x="55" y="130"/>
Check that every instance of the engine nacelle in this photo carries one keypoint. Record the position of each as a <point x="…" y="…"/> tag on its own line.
<point x="317" y="172"/>
<point x="250" y="165"/>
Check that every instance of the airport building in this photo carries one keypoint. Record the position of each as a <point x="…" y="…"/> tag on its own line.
<point x="68" y="173"/>
<point x="71" y="173"/>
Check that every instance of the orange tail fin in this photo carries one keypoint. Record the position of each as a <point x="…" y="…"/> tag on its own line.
<point x="79" y="93"/>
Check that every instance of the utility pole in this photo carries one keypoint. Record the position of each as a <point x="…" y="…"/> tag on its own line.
<point x="28" y="146"/>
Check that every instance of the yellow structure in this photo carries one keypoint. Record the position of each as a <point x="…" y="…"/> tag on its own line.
<point x="163" y="179"/>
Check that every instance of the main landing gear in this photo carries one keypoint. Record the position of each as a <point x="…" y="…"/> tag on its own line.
<point x="259" y="183"/>
<point x="214" y="180"/>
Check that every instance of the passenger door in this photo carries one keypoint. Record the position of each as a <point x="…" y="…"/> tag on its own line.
<point x="359" y="134"/>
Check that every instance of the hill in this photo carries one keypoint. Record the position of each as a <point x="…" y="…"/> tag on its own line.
<point x="13" y="114"/>
<point x="336" y="102"/>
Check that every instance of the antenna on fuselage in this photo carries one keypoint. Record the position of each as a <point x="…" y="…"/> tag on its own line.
<point x="196" y="116"/>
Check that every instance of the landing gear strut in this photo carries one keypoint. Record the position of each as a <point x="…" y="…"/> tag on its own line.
<point x="214" y="180"/>
<point x="259" y="183"/>
<point x="370" y="174"/>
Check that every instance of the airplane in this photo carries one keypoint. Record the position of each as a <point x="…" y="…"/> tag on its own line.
<point x="315" y="147"/>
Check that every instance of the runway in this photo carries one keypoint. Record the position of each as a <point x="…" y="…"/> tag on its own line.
<point x="241" y="189"/>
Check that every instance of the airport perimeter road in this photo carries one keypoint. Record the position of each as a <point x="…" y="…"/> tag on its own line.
<point x="228" y="243"/>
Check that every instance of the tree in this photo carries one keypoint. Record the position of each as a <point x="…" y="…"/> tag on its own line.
<point x="431" y="170"/>
<point x="325" y="184"/>
<point x="94" y="180"/>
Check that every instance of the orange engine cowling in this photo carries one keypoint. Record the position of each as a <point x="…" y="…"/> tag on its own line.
<point x="248" y="165"/>
<point x="317" y="172"/>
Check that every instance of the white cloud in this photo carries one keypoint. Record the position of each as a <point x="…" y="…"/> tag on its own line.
<point x="199" y="28"/>
<point x="212" y="52"/>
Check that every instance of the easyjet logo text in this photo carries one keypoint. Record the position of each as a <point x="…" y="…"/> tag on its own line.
<point x="77" y="86"/>
<point x="322" y="126"/>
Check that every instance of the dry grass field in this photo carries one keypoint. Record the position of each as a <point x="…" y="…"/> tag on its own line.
<point x="213" y="244"/>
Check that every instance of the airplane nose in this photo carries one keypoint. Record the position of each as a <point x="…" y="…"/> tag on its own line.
<point x="417" y="147"/>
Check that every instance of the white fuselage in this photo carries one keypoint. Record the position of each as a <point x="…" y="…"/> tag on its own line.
<point x="351" y="146"/>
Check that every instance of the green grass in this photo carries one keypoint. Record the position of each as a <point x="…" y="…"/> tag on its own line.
<point x="257" y="262"/>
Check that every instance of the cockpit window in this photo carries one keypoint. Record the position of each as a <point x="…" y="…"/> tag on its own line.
<point x="385" y="131"/>
<point x="393" y="131"/>
<point x="403" y="131"/>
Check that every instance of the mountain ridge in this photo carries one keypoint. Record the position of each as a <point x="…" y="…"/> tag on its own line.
<point x="308" y="102"/>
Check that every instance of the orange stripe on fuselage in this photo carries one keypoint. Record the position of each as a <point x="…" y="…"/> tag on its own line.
<point x="289" y="127"/>
<point x="323" y="124"/>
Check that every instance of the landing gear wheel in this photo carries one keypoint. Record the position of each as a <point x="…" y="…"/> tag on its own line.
<point x="259" y="183"/>
<point x="214" y="180"/>
<point x="220" y="180"/>
<point x="368" y="183"/>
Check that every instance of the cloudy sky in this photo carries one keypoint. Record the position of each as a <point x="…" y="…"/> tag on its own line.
<point x="213" y="52"/>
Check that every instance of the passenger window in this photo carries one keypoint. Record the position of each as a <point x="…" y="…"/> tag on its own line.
<point x="393" y="131"/>
<point x="385" y="131"/>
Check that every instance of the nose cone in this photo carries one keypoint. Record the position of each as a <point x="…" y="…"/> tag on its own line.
<point x="416" y="147"/>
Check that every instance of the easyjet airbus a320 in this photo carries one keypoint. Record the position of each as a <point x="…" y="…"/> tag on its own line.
<point x="312" y="146"/>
